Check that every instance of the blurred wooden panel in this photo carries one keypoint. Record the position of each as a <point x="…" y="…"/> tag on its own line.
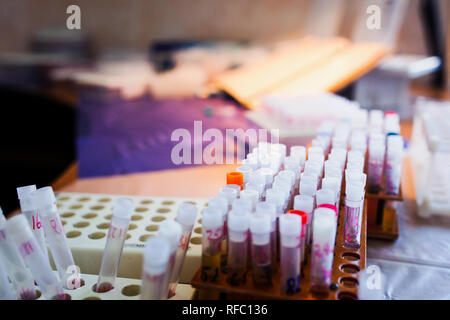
<point x="260" y="78"/>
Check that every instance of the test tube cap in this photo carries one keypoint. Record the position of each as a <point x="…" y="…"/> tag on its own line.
<point x="325" y="196"/>
<point x="354" y="192"/>
<point x="170" y="230"/>
<point x="235" y="177"/>
<point x="220" y="202"/>
<point x="325" y="213"/>
<point x="330" y="183"/>
<point x="304" y="203"/>
<point x="25" y="191"/>
<point x="251" y="195"/>
<point x="156" y="254"/>
<point x="302" y="214"/>
<point x="212" y="217"/>
<point x="308" y="188"/>
<point x="238" y="222"/>
<point x="242" y="205"/>
<point x="268" y="208"/>
<point x="123" y="208"/>
<point x="290" y="225"/>
<point x="260" y="224"/>
<point x="44" y="197"/>
<point x="187" y="214"/>
<point x="229" y="193"/>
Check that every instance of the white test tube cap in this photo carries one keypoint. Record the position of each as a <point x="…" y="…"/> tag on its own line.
<point x="252" y="196"/>
<point x="242" y="205"/>
<point x="123" y="208"/>
<point x="354" y="192"/>
<point x="187" y="214"/>
<point x="257" y="178"/>
<point x="299" y="153"/>
<point x="44" y="197"/>
<point x="288" y="174"/>
<point x="355" y="176"/>
<point x="220" y="202"/>
<point x="267" y="208"/>
<point x="355" y="155"/>
<point x="246" y="170"/>
<point x="325" y="196"/>
<point x="228" y="193"/>
<point x="170" y="230"/>
<point x="260" y="224"/>
<point x="267" y="173"/>
<point x="25" y="191"/>
<point x="326" y="213"/>
<point x="156" y="255"/>
<point x="290" y="225"/>
<point x="238" y="222"/>
<point x="308" y="188"/>
<point x="304" y="203"/>
<point x="212" y="218"/>
<point x="330" y="182"/>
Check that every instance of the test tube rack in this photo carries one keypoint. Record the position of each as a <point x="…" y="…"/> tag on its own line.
<point x="86" y="217"/>
<point x="124" y="289"/>
<point x="346" y="265"/>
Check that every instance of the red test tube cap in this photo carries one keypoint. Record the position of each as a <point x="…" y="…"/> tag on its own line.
<point x="329" y="206"/>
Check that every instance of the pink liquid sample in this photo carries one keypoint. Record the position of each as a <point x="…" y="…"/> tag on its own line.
<point x="352" y="227"/>
<point x="237" y="262"/>
<point x="290" y="270"/>
<point x="261" y="264"/>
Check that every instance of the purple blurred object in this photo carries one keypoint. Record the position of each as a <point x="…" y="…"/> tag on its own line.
<point x="117" y="136"/>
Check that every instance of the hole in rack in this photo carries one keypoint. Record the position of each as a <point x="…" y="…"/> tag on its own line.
<point x="349" y="282"/>
<point x="158" y="219"/>
<point x="192" y="202"/>
<point x="136" y="217"/>
<point x="128" y="236"/>
<point x="73" y="234"/>
<point x="104" y="287"/>
<point x="152" y="227"/>
<point x="349" y="268"/>
<point x="351" y="256"/>
<point x="89" y="215"/>
<point x="168" y="202"/>
<point x="163" y="210"/>
<point x="104" y="200"/>
<point x="96" y="235"/>
<point x="108" y="217"/>
<point x="81" y="224"/>
<point x="63" y="222"/>
<point x="76" y="206"/>
<point x="196" y="240"/>
<point x="131" y="290"/>
<point x="84" y="199"/>
<point x="58" y="205"/>
<point x="146" y="201"/>
<point x="67" y="214"/>
<point x="198" y="230"/>
<point x="63" y="198"/>
<point x="97" y="207"/>
<point x="141" y="209"/>
<point x="92" y="298"/>
<point x="144" y="237"/>
<point x="200" y="221"/>
<point x="132" y="226"/>
<point x="38" y="294"/>
<point x="344" y="295"/>
<point x="104" y="225"/>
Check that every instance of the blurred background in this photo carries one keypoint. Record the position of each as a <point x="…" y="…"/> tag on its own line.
<point x="102" y="101"/>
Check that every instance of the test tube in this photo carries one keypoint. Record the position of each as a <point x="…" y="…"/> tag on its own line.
<point x="305" y="203"/>
<point x="155" y="267"/>
<point x="376" y="162"/>
<point x="212" y="232"/>
<point x="170" y="230"/>
<point x="353" y="215"/>
<point x="221" y="204"/>
<point x="324" y="234"/>
<point x="28" y="208"/>
<point x="238" y="225"/>
<point x="290" y="233"/>
<point x="270" y="209"/>
<point x="21" y="235"/>
<point x="394" y="158"/>
<point x="117" y="233"/>
<point x="261" y="252"/>
<point x="18" y="273"/>
<point x="186" y="215"/>
<point x="325" y="196"/>
<point x="236" y="178"/>
<point x="252" y="196"/>
<point x="54" y="233"/>
<point x="5" y="288"/>
<point x="298" y="153"/>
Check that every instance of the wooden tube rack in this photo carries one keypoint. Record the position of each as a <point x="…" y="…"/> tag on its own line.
<point x="344" y="279"/>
